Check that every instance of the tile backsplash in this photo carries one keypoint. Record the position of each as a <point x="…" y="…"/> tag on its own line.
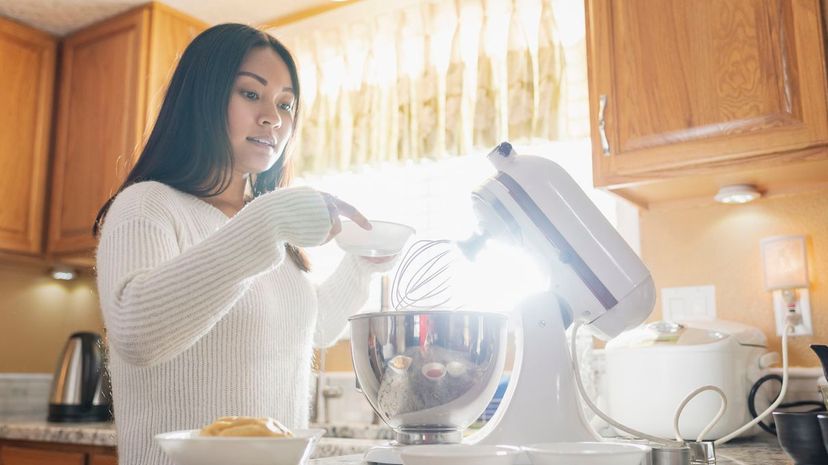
<point x="350" y="406"/>
<point x="24" y="394"/>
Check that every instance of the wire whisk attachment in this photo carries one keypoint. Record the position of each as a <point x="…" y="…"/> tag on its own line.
<point x="422" y="280"/>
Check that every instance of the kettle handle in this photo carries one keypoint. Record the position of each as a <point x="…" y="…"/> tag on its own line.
<point x="90" y="342"/>
<point x="822" y="352"/>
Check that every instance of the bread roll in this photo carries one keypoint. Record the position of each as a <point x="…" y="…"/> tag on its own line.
<point x="246" y="427"/>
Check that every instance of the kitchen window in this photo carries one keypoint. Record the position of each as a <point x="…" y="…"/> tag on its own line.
<point x="433" y="196"/>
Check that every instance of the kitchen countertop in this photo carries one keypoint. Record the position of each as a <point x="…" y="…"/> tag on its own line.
<point x="38" y="429"/>
<point x="350" y="439"/>
<point x="763" y="449"/>
<point x="28" y="428"/>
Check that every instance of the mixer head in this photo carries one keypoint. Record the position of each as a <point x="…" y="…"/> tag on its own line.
<point x="533" y="203"/>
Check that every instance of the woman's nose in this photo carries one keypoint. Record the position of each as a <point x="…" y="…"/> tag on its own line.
<point x="270" y="118"/>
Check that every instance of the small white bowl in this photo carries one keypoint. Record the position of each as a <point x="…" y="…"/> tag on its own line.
<point x="433" y="371"/>
<point x="188" y="448"/>
<point x="459" y="454"/>
<point x="385" y="239"/>
<point x="586" y="453"/>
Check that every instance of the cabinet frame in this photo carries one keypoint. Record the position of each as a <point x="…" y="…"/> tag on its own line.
<point x="684" y="165"/>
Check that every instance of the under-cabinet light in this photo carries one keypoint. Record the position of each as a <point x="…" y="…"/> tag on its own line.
<point x="737" y="193"/>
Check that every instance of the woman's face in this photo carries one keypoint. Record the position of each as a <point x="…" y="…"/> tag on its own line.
<point x="261" y="111"/>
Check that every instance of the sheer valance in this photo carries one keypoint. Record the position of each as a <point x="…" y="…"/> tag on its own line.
<point x="439" y="78"/>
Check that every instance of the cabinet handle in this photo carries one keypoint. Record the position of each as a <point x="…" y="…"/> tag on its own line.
<point x="602" y="125"/>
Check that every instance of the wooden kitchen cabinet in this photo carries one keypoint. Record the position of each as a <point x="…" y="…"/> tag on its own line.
<point x="15" y="452"/>
<point x="687" y="96"/>
<point x="10" y="455"/>
<point x="27" y="58"/>
<point x="99" y="459"/>
<point x="112" y="80"/>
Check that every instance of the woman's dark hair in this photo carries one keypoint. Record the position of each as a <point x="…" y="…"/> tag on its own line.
<point x="189" y="147"/>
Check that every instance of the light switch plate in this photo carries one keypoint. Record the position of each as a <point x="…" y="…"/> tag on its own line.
<point x="688" y="303"/>
<point x="803" y="307"/>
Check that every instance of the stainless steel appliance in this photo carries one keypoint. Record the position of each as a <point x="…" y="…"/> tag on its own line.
<point x="80" y="388"/>
<point x="594" y="278"/>
<point x="429" y="374"/>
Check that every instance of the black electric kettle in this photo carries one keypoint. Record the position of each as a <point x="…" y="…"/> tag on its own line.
<point x="80" y="387"/>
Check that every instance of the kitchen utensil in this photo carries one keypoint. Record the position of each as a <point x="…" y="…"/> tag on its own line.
<point x="383" y="240"/>
<point x="594" y="277"/>
<point x="650" y="370"/>
<point x="80" y="387"/>
<point x="800" y="437"/>
<point x="587" y="453"/>
<point x="823" y="389"/>
<point x="188" y="448"/>
<point x="822" y="419"/>
<point x="422" y="279"/>
<point x="822" y="353"/>
<point x="670" y="455"/>
<point x="401" y="360"/>
<point x="459" y="454"/>
<point x="702" y="453"/>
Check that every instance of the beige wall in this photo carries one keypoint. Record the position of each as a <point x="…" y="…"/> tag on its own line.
<point x="719" y="245"/>
<point x="37" y="315"/>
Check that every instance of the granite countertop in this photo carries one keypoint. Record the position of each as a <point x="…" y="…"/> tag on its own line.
<point x="763" y="449"/>
<point x="28" y="428"/>
<point x="340" y="439"/>
<point x="38" y="429"/>
<point x="347" y="449"/>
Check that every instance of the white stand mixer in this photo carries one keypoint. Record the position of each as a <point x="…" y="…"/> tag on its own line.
<point x="595" y="278"/>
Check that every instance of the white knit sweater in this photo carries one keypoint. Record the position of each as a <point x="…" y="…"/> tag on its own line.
<point x="206" y="317"/>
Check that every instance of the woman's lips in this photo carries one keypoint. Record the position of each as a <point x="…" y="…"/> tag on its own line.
<point x="270" y="143"/>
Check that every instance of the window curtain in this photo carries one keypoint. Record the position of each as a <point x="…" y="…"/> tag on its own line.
<point x="439" y="78"/>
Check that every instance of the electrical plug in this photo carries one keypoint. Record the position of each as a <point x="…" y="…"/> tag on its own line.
<point x="793" y="318"/>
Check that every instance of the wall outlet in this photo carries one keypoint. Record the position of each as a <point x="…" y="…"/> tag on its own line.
<point x="803" y="307"/>
<point x="688" y="303"/>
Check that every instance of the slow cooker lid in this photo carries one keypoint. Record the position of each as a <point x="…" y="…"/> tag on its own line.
<point x="668" y="333"/>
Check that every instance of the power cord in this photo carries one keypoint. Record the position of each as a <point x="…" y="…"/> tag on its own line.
<point x="754" y="390"/>
<point x="790" y="323"/>
<point x="635" y="433"/>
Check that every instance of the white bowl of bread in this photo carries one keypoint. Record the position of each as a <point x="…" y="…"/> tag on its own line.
<point x="240" y="441"/>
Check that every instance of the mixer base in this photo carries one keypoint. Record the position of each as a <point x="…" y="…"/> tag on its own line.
<point x="390" y="455"/>
<point x="383" y="455"/>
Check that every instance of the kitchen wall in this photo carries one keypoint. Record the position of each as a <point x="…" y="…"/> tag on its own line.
<point x="690" y="246"/>
<point x="37" y="315"/>
<point x="719" y="244"/>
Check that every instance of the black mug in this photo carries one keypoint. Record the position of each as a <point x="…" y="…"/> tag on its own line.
<point x="800" y="437"/>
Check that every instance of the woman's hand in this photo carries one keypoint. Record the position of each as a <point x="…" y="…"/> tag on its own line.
<point x="337" y="208"/>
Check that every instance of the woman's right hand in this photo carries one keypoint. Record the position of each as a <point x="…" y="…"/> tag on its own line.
<point x="337" y="208"/>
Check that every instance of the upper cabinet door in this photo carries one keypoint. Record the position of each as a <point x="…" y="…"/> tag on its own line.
<point x="99" y="125"/>
<point x="684" y="86"/>
<point x="27" y="58"/>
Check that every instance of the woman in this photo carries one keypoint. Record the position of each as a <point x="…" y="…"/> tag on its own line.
<point x="201" y="279"/>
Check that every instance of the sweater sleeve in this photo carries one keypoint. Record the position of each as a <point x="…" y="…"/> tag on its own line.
<point x="342" y="295"/>
<point x="159" y="300"/>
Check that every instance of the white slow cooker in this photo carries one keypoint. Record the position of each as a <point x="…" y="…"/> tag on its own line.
<point x="650" y="369"/>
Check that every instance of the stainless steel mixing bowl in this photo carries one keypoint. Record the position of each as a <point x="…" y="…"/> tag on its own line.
<point x="428" y="374"/>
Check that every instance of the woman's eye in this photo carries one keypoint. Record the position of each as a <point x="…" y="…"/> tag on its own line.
<point x="286" y="106"/>
<point x="250" y="95"/>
